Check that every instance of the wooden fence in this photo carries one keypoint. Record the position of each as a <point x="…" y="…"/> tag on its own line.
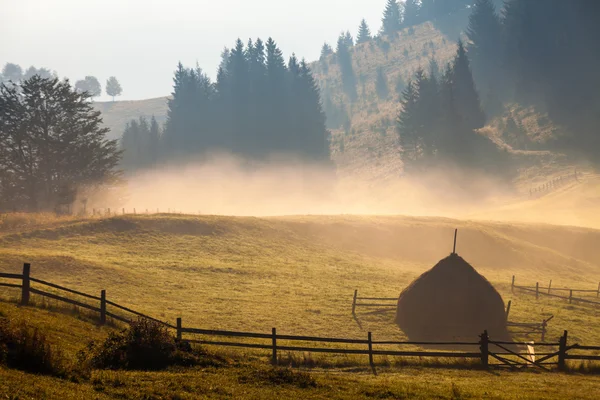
<point x="386" y="304"/>
<point x="549" y="291"/>
<point x="273" y="341"/>
<point x="553" y="184"/>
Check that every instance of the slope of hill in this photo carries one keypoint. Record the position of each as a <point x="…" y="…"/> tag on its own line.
<point x="116" y="114"/>
<point x="297" y="273"/>
<point x="368" y="147"/>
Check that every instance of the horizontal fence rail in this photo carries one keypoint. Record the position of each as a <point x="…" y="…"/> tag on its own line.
<point x="506" y="356"/>
<point x="547" y="291"/>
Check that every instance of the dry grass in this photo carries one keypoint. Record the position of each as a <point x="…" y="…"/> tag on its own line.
<point x="297" y="274"/>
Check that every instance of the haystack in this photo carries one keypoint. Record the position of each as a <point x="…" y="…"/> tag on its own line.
<point x="451" y="302"/>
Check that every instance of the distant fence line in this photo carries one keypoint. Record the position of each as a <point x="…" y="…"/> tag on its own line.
<point x="547" y="291"/>
<point x="553" y="184"/>
<point x="554" y="357"/>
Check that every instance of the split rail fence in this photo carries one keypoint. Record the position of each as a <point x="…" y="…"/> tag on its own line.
<point x="593" y="294"/>
<point x="387" y="304"/>
<point x="505" y="356"/>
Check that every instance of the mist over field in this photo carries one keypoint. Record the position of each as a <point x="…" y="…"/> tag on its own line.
<point x="226" y="185"/>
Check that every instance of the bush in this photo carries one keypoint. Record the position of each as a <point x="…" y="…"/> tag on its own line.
<point x="145" y="345"/>
<point x="27" y="349"/>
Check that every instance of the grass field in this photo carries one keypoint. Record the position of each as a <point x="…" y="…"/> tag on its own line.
<point x="297" y="274"/>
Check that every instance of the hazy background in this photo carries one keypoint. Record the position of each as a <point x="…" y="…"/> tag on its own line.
<point x="141" y="41"/>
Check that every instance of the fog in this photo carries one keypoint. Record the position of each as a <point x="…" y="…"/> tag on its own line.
<point x="225" y="185"/>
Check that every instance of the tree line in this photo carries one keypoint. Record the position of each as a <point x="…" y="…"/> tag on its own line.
<point x="14" y="73"/>
<point x="259" y="105"/>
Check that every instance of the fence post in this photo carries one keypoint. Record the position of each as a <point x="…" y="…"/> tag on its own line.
<point x="371" y="362"/>
<point x="544" y="323"/>
<point x="549" y="286"/>
<point x="570" y="296"/>
<point x="562" y="351"/>
<point x="26" y="284"/>
<point x="354" y="302"/>
<point x="508" y="308"/>
<point x="102" y="307"/>
<point x="109" y="212"/>
<point x="274" y="341"/>
<point x="123" y="211"/>
<point x="484" y="349"/>
<point x="179" y="328"/>
<point x="512" y="285"/>
<point x="537" y="290"/>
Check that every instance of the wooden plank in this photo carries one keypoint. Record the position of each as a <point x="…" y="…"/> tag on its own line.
<point x="427" y="343"/>
<point x="232" y="344"/>
<point x="581" y="347"/>
<point x="375" y="305"/>
<point x="323" y="350"/>
<point x="55" y="286"/>
<point x="426" y="354"/>
<point x="139" y="314"/>
<point x="525" y="343"/>
<point x="212" y="332"/>
<point x="118" y="317"/>
<point x="11" y="276"/>
<point x="13" y="285"/>
<point x="64" y="299"/>
<point x="322" y="339"/>
<point x="581" y="357"/>
<point x="378" y="298"/>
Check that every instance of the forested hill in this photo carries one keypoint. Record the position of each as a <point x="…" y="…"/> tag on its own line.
<point x="364" y="139"/>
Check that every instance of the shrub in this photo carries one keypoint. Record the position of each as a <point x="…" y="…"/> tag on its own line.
<point x="145" y="345"/>
<point x="27" y="349"/>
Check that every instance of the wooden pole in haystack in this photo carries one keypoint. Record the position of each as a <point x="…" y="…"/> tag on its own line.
<point x="454" y="248"/>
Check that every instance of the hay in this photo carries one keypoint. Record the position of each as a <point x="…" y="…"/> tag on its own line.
<point x="451" y="302"/>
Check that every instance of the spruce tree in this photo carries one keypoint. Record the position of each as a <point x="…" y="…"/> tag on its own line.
<point x="485" y="45"/>
<point x="408" y="127"/>
<point x="392" y="18"/>
<point x="349" y="40"/>
<point x="412" y="12"/>
<point x="465" y="93"/>
<point x="345" y="62"/>
<point x="364" y="34"/>
<point x="381" y="84"/>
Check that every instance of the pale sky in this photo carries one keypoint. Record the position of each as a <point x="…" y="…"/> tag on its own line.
<point x="141" y="41"/>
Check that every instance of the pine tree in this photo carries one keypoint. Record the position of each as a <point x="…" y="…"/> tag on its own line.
<point x="400" y="86"/>
<point x="381" y="84"/>
<point x="434" y="68"/>
<point x="348" y="40"/>
<point x="485" y="45"/>
<point x="345" y="61"/>
<point x="408" y="126"/>
<point x="12" y="72"/>
<point x="364" y="34"/>
<point x="392" y="18"/>
<point x="412" y="12"/>
<point x="465" y="93"/>
<point x="113" y="87"/>
<point x="153" y="141"/>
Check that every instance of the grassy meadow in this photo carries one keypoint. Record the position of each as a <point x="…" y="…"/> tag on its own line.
<point x="297" y="274"/>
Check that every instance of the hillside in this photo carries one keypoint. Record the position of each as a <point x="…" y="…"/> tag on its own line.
<point x="117" y="114"/>
<point x="295" y="273"/>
